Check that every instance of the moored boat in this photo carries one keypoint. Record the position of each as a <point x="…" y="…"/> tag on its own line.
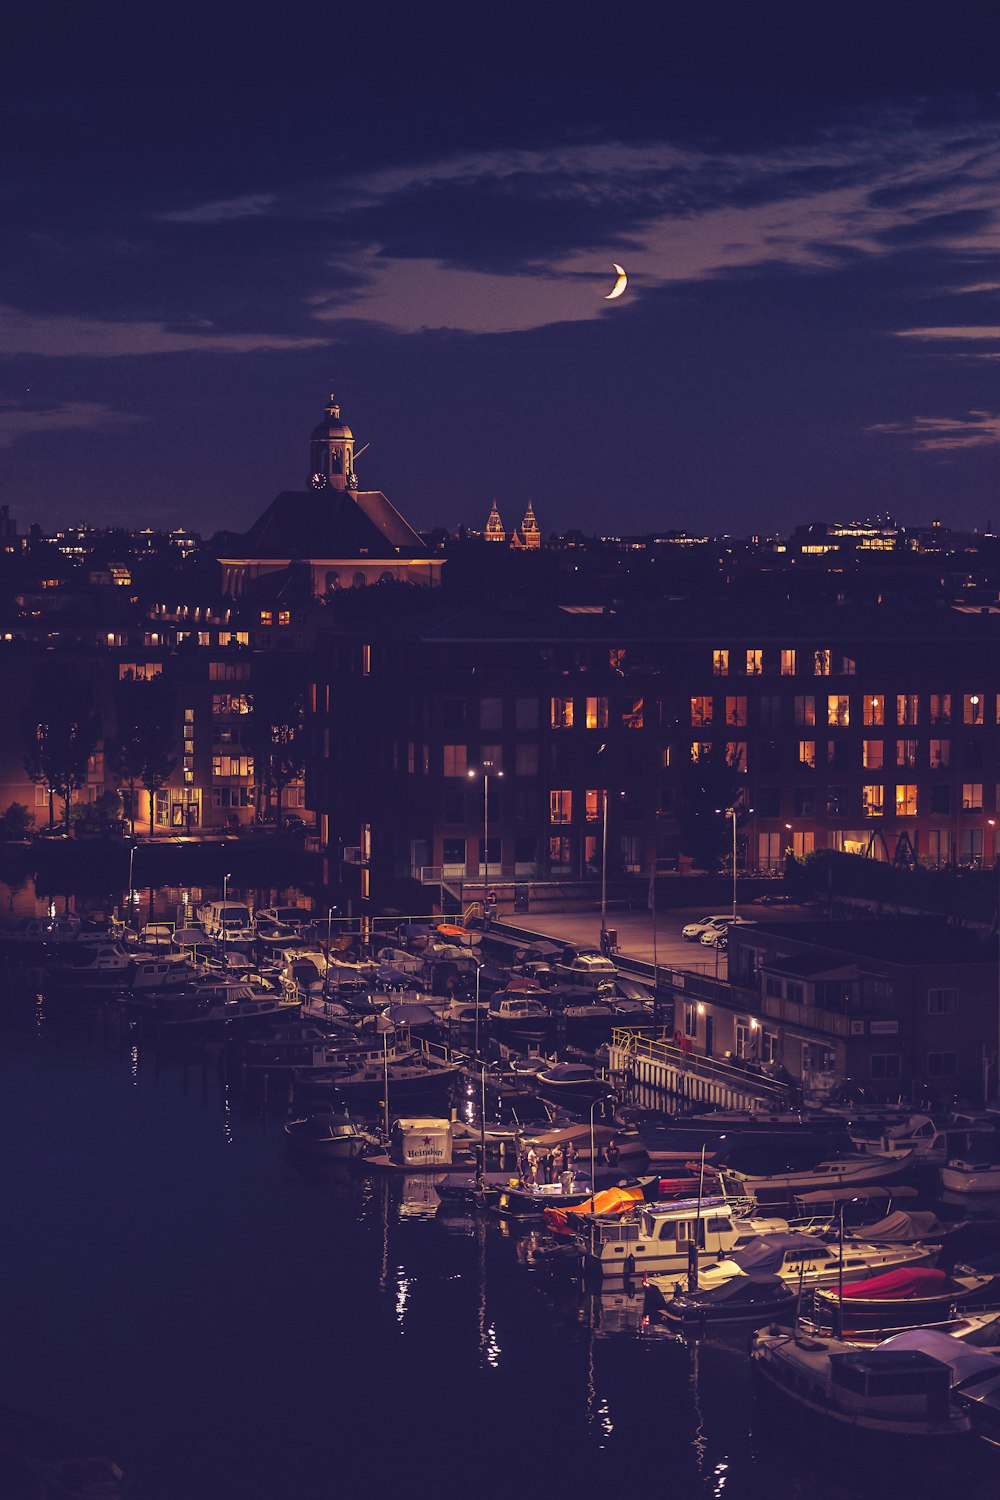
<point x="885" y="1392"/>
<point x="908" y="1296"/>
<point x="330" y="1136"/>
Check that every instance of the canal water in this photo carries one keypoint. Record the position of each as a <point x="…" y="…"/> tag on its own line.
<point x="232" y="1327"/>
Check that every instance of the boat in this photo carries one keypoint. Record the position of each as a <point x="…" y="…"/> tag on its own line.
<point x="588" y="968"/>
<point x="91" y="966"/>
<point x="935" y="1144"/>
<point x="226" y="921"/>
<point x="806" y="1261"/>
<point x="854" y="1172"/>
<point x="457" y="936"/>
<point x="659" y="1237"/>
<point x="886" y="1392"/>
<point x="234" y="1008"/>
<point x="901" y="1227"/>
<point x="908" y="1296"/>
<point x="975" y="1374"/>
<point x="409" y="1075"/>
<point x="523" y="1201"/>
<point x="742" y="1299"/>
<point x="574" y="1084"/>
<point x="977" y="1176"/>
<point x="467" y="1189"/>
<point x="334" y="1137"/>
<point x="611" y="1202"/>
<point x="520" y="1017"/>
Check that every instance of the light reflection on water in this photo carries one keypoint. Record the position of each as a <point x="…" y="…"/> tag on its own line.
<point x="234" y="1281"/>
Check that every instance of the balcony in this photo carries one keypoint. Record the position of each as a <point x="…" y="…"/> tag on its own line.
<point x="829" y="1022"/>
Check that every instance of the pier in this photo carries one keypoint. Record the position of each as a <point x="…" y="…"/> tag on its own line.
<point x="662" y="1065"/>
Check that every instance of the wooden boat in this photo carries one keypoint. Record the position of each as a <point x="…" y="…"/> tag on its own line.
<point x="885" y="1392"/>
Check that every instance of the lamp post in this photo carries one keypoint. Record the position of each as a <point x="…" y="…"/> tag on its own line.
<point x="604" y="872"/>
<point x="487" y="767"/>
<point x="225" y="901"/>
<point x="593" y="1154"/>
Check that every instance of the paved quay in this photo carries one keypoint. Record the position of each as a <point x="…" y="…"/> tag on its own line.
<point x="635" y="929"/>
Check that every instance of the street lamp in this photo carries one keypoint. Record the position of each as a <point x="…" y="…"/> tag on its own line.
<point x="487" y="767"/>
<point x="225" y="901"/>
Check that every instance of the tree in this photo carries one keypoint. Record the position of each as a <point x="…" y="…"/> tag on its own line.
<point x="140" y="750"/>
<point x="16" y="823"/>
<point x="709" y="786"/>
<point x="274" y="732"/>
<point x="63" y="731"/>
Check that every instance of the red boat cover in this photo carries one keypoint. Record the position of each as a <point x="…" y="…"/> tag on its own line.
<point x="906" y="1281"/>
<point x="677" y="1187"/>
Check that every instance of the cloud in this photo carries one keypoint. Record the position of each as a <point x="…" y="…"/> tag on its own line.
<point x="223" y="211"/>
<point x="91" y="338"/>
<point x="18" y="422"/>
<point x="977" y="429"/>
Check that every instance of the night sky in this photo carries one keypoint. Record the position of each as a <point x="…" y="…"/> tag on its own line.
<point x="214" y="215"/>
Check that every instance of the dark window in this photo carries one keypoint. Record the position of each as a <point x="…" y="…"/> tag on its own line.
<point x="836" y="802"/>
<point x="454" y="807"/>
<point x="972" y="755"/>
<point x="454" y="851"/>
<point x="453" y="714"/>
<point x="525" y="850"/>
<point x="768" y="756"/>
<point x="884" y="1065"/>
<point x="942" y="1064"/>
<point x="805" y="801"/>
<point x="768" y="801"/>
<point x="837" y="754"/>
<point x="941" y="798"/>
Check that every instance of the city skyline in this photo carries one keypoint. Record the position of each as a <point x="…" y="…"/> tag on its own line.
<point x="210" y="227"/>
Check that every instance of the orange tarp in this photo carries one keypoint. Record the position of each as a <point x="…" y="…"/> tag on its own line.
<point x="614" y="1202"/>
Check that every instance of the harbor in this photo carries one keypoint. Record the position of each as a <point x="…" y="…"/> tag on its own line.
<point x="281" y="1222"/>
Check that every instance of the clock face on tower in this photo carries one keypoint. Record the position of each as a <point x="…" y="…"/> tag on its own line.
<point x="318" y="481"/>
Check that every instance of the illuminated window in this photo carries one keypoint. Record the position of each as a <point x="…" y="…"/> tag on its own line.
<point x="455" y="760"/>
<point x="972" y="796"/>
<point x="232" y="765"/>
<point x="906" y="753"/>
<point x="941" y="708"/>
<point x="560" y="807"/>
<point x="594" y="805"/>
<point x="736" y="755"/>
<point x="821" y="662"/>
<point x="838" y="710"/>
<point x="906" y="708"/>
<point x="805" y="710"/>
<point x="366" y="660"/>
<point x="700" y="751"/>
<point x="561" y="716"/>
<point x="284" y="617"/>
<point x="972" y="708"/>
<point x="872" y="800"/>
<point x="266" y="617"/>
<point x="906" y="801"/>
<point x="597" y="713"/>
<point x="720" y="663"/>
<point x="616" y="660"/>
<point x="940" y="754"/>
<point x="701" y="712"/>
<point x="871" y="755"/>
<point x="788" y="663"/>
<point x="873" y="710"/>
<point x="632" y="718"/>
<point x="736" y="712"/>
<point x="755" y="662"/>
<point x="807" y="753"/>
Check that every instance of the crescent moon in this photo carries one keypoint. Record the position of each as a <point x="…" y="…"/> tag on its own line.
<point x="619" y="285"/>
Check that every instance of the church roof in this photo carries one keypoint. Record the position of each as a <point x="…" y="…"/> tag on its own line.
<point x="328" y="524"/>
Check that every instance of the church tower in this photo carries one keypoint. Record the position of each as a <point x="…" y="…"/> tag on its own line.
<point x="494" y="527"/>
<point x="529" y="529"/>
<point x="331" y="453"/>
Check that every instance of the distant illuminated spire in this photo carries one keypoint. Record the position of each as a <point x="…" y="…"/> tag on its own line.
<point x="494" y="526"/>
<point x="529" y="528"/>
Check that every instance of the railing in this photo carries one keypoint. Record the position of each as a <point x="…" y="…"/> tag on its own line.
<point x="810" y="1016"/>
<point x="706" y="987"/>
<point x="694" y="1065"/>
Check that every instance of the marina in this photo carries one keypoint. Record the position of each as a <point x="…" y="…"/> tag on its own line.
<point x="298" y="1201"/>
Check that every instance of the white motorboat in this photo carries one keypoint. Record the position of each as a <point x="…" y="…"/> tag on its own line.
<point x="226" y="921"/>
<point x="843" y="1172"/>
<point x="91" y="965"/>
<point x="935" y="1143"/>
<point x="901" y="1392"/>
<point x="657" y="1240"/>
<point x="808" y="1261"/>
<point x="959" y="1176"/>
<point x="589" y="969"/>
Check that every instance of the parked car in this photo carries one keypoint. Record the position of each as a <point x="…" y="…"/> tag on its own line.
<point x="710" y="937"/>
<point x="693" y="931"/>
